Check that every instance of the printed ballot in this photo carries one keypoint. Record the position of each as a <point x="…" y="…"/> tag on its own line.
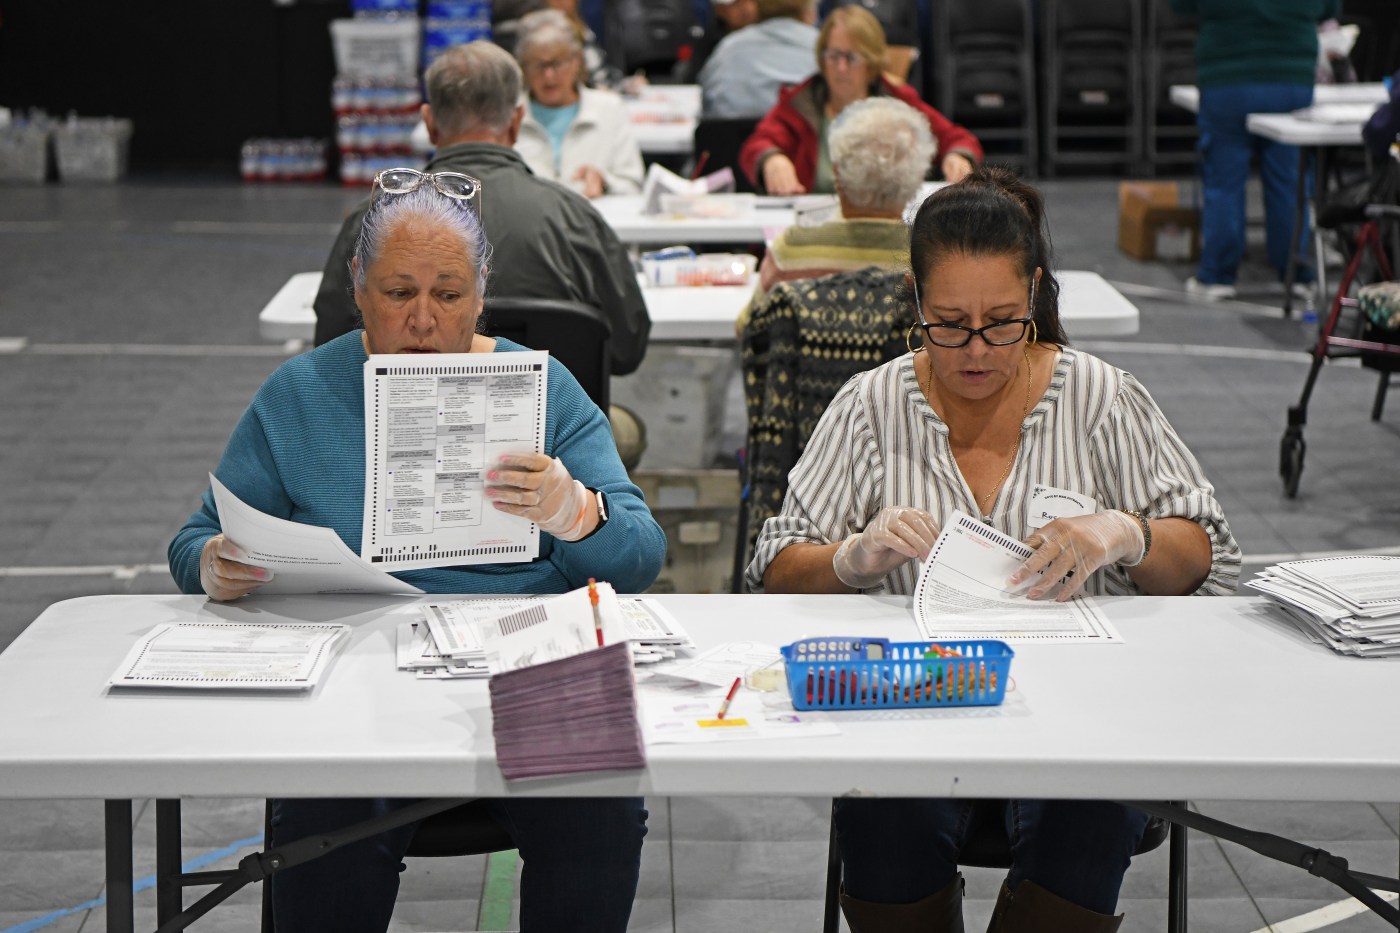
<point x="232" y="656"/>
<point x="433" y="427"/>
<point x="303" y="558"/>
<point x="962" y="592"/>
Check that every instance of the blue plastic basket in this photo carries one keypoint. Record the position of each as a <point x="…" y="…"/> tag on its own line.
<point x="875" y="673"/>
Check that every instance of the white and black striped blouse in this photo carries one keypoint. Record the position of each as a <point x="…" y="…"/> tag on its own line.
<point x="1096" y="431"/>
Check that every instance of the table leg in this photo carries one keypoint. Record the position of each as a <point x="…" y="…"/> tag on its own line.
<point x="1300" y="215"/>
<point x="169" y="901"/>
<point x="120" y="909"/>
<point x="1319" y="189"/>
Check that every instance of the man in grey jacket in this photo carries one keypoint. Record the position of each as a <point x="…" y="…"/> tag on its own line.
<point x="546" y="241"/>
<point x="749" y="67"/>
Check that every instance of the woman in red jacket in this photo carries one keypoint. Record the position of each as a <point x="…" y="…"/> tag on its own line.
<point x="787" y="152"/>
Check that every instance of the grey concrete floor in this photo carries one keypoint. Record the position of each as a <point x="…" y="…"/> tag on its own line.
<point x="129" y="346"/>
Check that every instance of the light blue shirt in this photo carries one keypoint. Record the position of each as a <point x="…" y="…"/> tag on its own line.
<point x="748" y="68"/>
<point x="556" y="122"/>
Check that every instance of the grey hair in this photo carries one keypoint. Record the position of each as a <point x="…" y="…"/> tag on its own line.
<point x="881" y="149"/>
<point x="545" y="28"/>
<point x="426" y="207"/>
<point x="472" y="88"/>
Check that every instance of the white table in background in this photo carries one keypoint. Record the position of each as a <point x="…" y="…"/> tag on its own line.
<point x="1189" y="95"/>
<point x="1312" y="135"/>
<point x="1205" y="699"/>
<point x="663" y="118"/>
<point x="1089" y="307"/>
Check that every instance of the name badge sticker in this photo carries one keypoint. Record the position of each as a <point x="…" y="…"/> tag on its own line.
<point x="1048" y="503"/>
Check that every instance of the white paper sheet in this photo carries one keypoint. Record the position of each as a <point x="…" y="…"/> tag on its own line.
<point x="551" y="630"/>
<point x="962" y="593"/>
<point x="456" y="626"/>
<point x="433" y="427"/>
<point x="303" y="558"/>
<point x="669" y="717"/>
<point x="227" y="655"/>
<point x="718" y="666"/>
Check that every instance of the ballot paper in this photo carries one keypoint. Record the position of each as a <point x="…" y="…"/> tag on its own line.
<point x="303" y="558"/>
<point x="552" y="629"/>
<point x="434" y="425"/>
<point x="231" y="656"/>
<point x="719" y="666"/>
<point x="455" y="628"/>
<point x="963" y="593"/>
<point x="1351" y="604"/>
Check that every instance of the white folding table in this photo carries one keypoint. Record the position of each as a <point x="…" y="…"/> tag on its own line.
<point x="1089" y="307"/>
<point x="1206" y="698"/>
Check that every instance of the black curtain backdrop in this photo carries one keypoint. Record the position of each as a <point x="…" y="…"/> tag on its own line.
<point x="197" y="77"/>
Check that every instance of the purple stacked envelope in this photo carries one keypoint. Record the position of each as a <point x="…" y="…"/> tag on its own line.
<point x="568" y="716"/>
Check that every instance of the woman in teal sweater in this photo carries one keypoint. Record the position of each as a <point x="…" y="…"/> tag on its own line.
<point x="1252" y="56"/>
<point x="298" y="453"/>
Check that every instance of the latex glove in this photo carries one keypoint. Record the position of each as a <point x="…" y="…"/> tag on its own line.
<point x="1076" y="547"/>
<point x="955" y="167"/>
<point x="591" y="184"/>
<point x="780" y="176"/>
<point x="224" y="571"/>
<point x="896" y="535"/>
<point x="540" y="489"/>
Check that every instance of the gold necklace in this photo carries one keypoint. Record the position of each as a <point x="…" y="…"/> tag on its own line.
<point x="1025" y="410"/>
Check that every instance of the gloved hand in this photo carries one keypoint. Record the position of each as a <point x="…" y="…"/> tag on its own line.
<point x="1077" y="546"/>
<point x="540" y="489"/>
<point x="224" y="572"/>
<point x="897" y="534"/>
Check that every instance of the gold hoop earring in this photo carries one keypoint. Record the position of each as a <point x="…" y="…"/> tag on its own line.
<point x="909" y="339"/>
<point x="1035" y="334"/>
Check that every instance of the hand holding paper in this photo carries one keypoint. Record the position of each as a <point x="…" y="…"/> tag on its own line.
<point x="224" y="572"/>
<point x="539" y="488"/>
<point x="896" y="535"/>
<point x="1068" y="550"/>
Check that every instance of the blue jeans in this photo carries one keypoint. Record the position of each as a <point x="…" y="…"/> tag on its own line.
<point x="899" y="851"/>
<point x="581" y="861"/>
<point x="1226" y="147"/>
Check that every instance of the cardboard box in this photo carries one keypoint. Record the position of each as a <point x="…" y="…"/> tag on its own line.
<point x="1154" y="222"/>
<point x="678" y="393"/>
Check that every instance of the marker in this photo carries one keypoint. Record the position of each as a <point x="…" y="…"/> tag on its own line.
<point x="724" y="707"/>
<point x="597" y="618"/>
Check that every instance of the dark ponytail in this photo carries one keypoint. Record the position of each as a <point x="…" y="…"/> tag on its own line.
<point x="991" y="212"/>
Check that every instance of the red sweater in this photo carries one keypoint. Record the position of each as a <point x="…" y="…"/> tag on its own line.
<point x="791" y="128"/>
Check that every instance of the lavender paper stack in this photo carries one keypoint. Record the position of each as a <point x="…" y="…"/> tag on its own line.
<point x="568" y="716"/>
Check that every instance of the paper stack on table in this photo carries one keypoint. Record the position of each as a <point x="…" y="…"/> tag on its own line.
<point x="567" y="716"/>
<point x="232" y="656"/>
<point x="1349" y="604"/>
<point x="447" y="642"/>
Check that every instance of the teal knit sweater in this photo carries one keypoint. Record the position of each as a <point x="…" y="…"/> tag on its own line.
<point x="1257" y="41"/>
<point x="298" y="453"/>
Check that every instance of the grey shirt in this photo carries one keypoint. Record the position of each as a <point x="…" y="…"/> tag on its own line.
<point x="749" y="67"/>
<point x="546" y="242"/>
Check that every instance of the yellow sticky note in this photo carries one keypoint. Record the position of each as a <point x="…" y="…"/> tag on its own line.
<point x="713" y="723"/>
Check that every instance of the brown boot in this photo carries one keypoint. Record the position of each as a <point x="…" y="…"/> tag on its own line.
<point x="1032" y="909"/>
<point x="940" y="912"/>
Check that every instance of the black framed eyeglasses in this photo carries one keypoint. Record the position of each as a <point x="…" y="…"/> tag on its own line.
<point x="454" y="185"/>
<point x="953" y="336"/>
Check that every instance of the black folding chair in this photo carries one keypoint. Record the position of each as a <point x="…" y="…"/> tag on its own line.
<point x="575" y="334"/>
<point x="717" y="143"/>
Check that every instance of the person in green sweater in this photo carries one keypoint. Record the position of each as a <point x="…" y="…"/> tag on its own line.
<point x="298" y="453"/>
<point x="1252" y="56"/>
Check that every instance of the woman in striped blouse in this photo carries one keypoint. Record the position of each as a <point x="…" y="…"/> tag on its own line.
<point x="992" y="406"/>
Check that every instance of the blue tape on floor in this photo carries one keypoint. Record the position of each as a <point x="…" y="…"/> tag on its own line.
<point x="140" y="884"/>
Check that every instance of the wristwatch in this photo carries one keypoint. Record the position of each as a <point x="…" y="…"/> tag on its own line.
<point x="602" y="508"/>
<point x="1146" y="536"/>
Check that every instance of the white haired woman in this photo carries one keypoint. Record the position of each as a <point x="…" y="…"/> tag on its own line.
<point x="572" y="134"/>
<point x="419" y="270"/>
<point x="880" y="149"/>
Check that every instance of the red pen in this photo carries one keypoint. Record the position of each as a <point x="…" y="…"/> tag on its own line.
<point x="597" y="618"/>
<point x="724" y="707"/>
<point x="700" y="164"/>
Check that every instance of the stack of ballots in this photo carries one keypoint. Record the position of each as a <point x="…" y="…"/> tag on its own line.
<point x="446" y="642"/>
<point x="563" y="695"/>
<point x="1350" y="604"/>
